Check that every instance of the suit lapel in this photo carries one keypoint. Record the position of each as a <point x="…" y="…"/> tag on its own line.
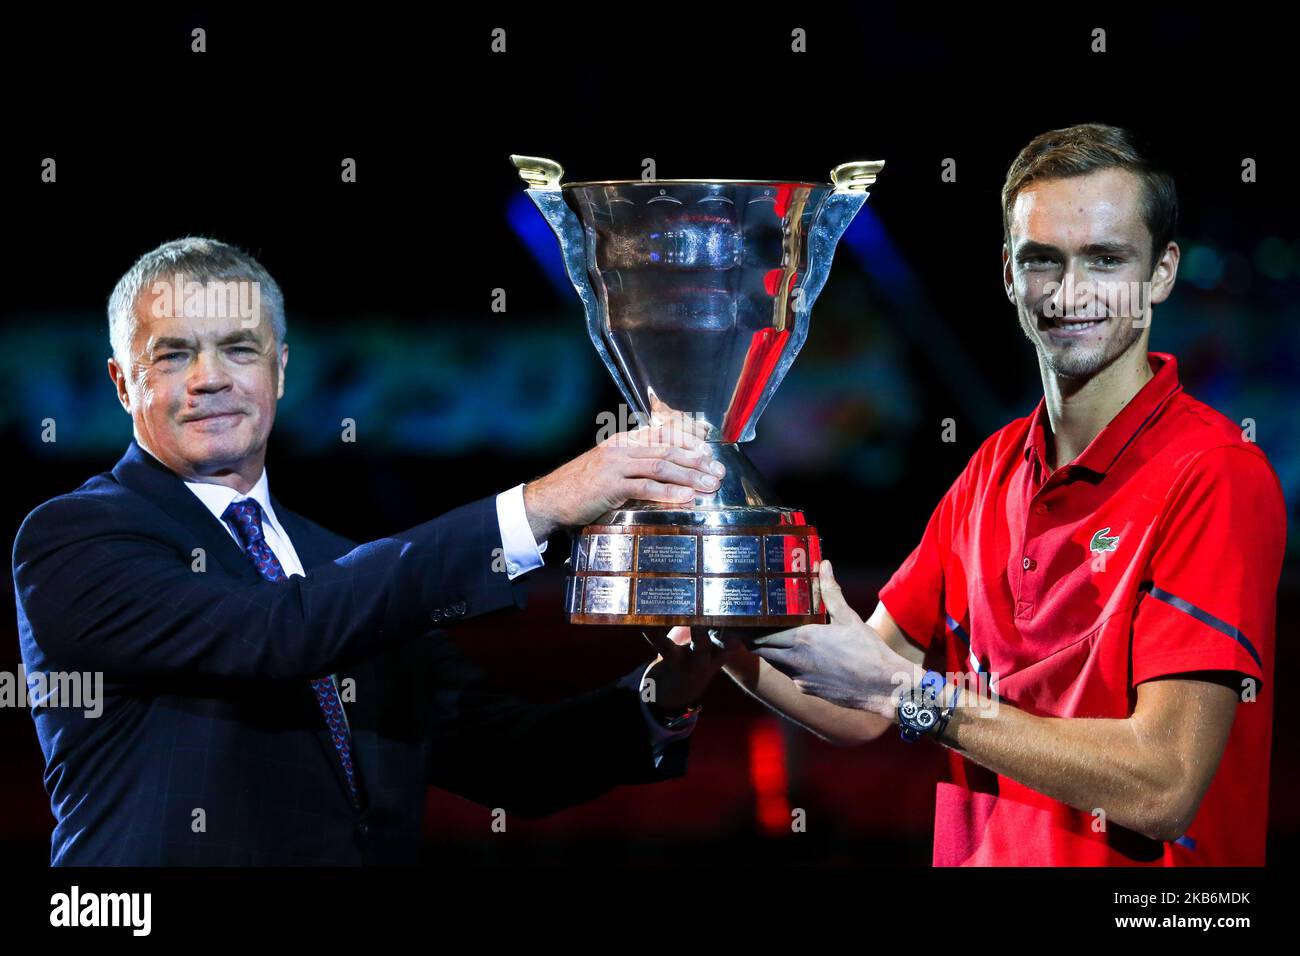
<point x="147" y="476"/>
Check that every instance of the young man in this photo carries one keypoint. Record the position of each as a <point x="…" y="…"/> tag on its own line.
<point x="1107" y="566"/>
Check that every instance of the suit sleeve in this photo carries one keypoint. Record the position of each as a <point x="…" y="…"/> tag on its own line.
<point x="1209" y="596"/>
<point x="97" y="591"/>
<point x="532" y="759"/>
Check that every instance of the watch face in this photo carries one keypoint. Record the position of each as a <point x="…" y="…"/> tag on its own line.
<point x="907" y="710"/>
<point x="925" y="719"/>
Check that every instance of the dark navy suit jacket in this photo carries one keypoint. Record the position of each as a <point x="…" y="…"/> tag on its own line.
<point x="207" y="704"/>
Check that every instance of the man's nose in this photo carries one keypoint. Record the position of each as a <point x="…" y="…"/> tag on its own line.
<point x="1075" y="293"/>
<point x="208" y="373"/>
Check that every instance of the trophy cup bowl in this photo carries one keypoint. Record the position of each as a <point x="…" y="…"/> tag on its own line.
<point x="697" y="296"/>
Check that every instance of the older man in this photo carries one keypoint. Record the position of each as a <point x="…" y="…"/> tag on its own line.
<point x="276" y="693"/>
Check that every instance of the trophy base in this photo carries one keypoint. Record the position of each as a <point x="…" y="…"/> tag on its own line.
<point x="746" y="566"/>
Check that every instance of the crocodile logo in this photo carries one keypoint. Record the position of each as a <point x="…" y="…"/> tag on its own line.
<point x="1102" y="543"/>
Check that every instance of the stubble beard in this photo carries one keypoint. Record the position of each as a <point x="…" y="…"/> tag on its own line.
<point x="1076" y="361"/>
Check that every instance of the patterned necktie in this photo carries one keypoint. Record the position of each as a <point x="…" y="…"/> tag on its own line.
<point x="246" y="519"/>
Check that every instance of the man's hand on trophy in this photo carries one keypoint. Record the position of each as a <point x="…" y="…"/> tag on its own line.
<point x="663" y="463"/>
<point x="661" y="413"/>
<point x="687" y="662"/>
<point x="845" y="662"/>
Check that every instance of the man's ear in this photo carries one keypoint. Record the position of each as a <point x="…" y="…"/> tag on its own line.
<point x="119" y="383"/>
<point x="1165" y="273"/>
<point x="284" y="361"/>
<point x="1008" y="281"/>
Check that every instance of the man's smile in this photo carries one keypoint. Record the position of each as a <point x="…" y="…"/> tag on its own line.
<point x="213" y="420"/>
<point x="1071" y="327"/>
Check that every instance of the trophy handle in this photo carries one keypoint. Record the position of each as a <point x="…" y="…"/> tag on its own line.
<point x="543" y="179"/>
<point x="837" y="210"/>
<point x="856" y="176"/>
<point x="538" y="172"/>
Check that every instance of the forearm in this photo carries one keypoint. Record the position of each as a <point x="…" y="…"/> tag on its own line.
<point x="839" y="725"/>
<point x="539" y="510"/>
<point x="1088" y="763"/>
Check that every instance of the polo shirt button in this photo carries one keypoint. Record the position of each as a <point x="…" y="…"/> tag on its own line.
<point x="1042" y="508"/>
<point x="1029" y="564"/>
<point x="512" y="568"/>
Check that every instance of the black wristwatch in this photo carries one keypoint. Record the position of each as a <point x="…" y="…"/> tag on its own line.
<point x="921" y="712"/>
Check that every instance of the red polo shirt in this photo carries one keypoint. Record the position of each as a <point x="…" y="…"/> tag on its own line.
<point x="1156" y="552"/>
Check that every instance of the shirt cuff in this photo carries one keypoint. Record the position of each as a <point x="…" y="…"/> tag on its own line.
<point x="522" y="553"/>
<point x="660" y="736"/>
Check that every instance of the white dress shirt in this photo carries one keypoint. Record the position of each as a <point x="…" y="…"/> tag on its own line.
<point x="521" y="551"/>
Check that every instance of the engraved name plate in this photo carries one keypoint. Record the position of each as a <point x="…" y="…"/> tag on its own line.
<point x="788" y="596"/>
<point x="738" y="596"/>
<point x="666" y="552"/>
<point x="572" y="593"/>
<point x="606" y="595"/>
<point x="725" y="553"/>
<point x="609" y="552"/>
<point x="791" y="552"/>
<point x="665" y="596"/>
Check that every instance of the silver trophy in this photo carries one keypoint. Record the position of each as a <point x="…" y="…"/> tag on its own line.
<point x="698" y="295"/>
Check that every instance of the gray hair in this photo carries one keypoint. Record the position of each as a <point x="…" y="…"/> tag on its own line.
<point x="200" y="260"/>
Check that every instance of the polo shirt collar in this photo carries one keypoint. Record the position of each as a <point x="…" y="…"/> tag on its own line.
<point x="1105" y="448"/>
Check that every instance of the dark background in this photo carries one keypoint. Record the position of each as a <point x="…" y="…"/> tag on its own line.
<point x="388" y="285"/>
